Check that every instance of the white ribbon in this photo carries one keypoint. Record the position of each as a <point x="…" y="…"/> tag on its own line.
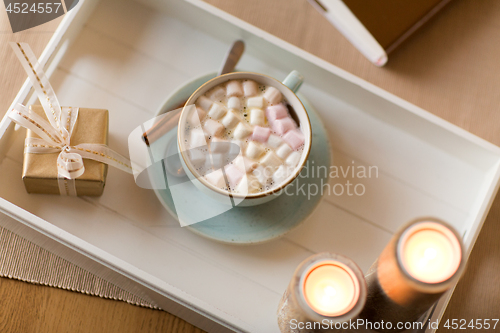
<point x="55" y="134"/>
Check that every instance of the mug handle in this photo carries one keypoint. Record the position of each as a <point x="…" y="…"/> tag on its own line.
<point x="293" y="81"/>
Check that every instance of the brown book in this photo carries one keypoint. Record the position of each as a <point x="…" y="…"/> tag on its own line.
<point x="377" y="27"/>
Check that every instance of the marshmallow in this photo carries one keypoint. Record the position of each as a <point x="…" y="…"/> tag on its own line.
<point x="262" y="152"/>
<point x="283" y="125"/>
<point x="236" y="147"/>
<point x="261" y="134"/>
<point x="219" y="146"/>
<point x="262" y="174"/>
<point x="234" y="103"/>
<point x="213" y="127"/>
<point x="274" y="141"/>
<point x="204" y="103"/>
<point x="216" y="178"/>
<point x="250" y="88"/>
<point x="218" y="94"/>
<point x="294" y="138"/>
<point x="257" y="117"/>
<point x="274" y="112"/>
<point x="239" y="163"/>
<point x="284" y="150"/>
<point x="280" y="175"/>
<point x="197" y="138"/>
<point x="272" y="95"/>
<point x="218" y="160"/>
<point x="217" y="111"/>
<point x="196" y="116"/>
<point x="271" y="160"/>
<point x="254" y="150"/>
<point x="242" y="131"/>
<point x="234" y="88"/>
<point x="255" y="102"/>
<point x="230" y="120"/>
<point x="245" y="164"/>
<point x="197" y="157"/>
<point x="293" y="159"/>
<point x="249" y="184"/>
<point x="233" y="174"/>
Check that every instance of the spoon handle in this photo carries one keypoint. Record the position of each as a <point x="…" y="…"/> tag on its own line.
<point x="232" y="57"/>
<point x="167" y="123"/>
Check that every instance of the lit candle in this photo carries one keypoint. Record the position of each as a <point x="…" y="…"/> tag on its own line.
<point x="324" y="286"/>
<point x="430" y="252"/>
<point x="331" y="289"/>
<point x="421" y="262"/>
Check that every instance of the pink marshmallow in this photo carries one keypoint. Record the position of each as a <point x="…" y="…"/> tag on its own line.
<point x="283" y="125"/>
<point x="295" y="139"/>
<point x="276" y="112"/>
<point x="261" y="134"/>
<point x="233" y="174"/>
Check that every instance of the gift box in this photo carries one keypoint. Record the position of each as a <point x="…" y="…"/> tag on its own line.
<point x="65" y="151"/>
<point x="40" y="174"/>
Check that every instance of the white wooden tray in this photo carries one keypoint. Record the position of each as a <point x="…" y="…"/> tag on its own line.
<point x="127" y="56"/>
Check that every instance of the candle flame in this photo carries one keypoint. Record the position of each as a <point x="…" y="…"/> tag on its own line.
<point x="330" y="290"/>
<point x="430" y="253"/>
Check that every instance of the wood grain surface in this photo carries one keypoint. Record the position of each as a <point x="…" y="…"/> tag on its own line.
<point x="450" y="68"/>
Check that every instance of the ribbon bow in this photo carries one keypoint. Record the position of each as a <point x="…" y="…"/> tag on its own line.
<point x="55" y="134"/>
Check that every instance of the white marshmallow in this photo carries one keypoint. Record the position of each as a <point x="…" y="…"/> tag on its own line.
<point x="257" y="117"/>
<point x="233" y="174"/>
<point x="280" y="175"/>
<point x="213" y="127"/>
<point x="245" y="164"/>
<point x="230" y="120"/>
<point x="216" y="178"/>
<point x="250" y="88"/>
<point x="283" y="151"/>
<point x="197" y="138"/>
<point x="219" y="146"/>
<point x="196" y="116"/>
<point x="204" y="103"/>
<point x="218" y="160"/>
<point x="234" y="88"/>
<point x="254" y="150"/>
<point x="234" y="103"/>
<point x="273" y="95"/>
<point x="271" y="160"/>
<point x="236" y="147"/>
<point x="218" y="94"/>
<point x="274" y="141"/>
<point x="293" y="159"/>
<point x="248" y="184"/>
<point x="242" y="131"/>
<point x="217" y="111"/>
<point x="262" y="174"/>
<point x="255" y="102"/>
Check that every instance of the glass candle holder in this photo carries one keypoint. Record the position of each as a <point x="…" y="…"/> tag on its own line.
<point x="326" y="290"/>
<point x="422" y="261"/>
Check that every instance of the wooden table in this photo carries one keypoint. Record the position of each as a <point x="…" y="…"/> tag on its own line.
<point x="450" y="67"/>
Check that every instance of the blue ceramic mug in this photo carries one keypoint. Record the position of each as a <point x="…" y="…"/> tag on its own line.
<point x="288" y="88"/>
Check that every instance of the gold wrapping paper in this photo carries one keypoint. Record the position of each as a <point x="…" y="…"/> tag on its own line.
<point x="40" y="170"/>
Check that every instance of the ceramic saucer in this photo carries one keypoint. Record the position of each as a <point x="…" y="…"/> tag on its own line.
<point x="261" y="223"/>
